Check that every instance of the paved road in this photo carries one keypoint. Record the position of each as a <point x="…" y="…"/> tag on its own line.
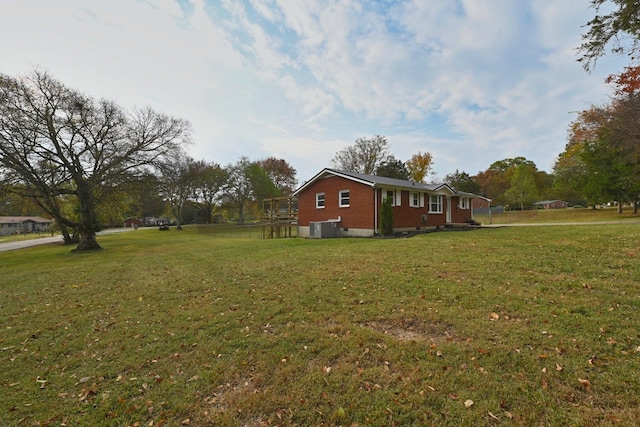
<point x="540" y="224"/>
<point x="21" y="244"/>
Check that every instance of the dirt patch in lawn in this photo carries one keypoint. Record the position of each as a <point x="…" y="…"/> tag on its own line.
<point x="413" y="330"/>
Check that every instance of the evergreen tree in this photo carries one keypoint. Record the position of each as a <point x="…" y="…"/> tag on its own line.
<point x="386" y="217"/>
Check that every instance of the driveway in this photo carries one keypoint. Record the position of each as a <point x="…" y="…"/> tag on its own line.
<point x="550" y="224"/>
<point x="21" y="244"/>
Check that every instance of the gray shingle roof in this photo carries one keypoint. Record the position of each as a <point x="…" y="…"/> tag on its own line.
<point x="21" y="219"/>
<point x="379" y="181"/>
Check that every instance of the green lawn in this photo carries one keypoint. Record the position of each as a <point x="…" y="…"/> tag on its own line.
<point x="558" y="215"/>
<point x="506" y="326"/>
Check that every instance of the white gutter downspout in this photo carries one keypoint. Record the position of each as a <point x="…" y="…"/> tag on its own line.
<point x="375" y="210"/>
<point x="339" y="219"/>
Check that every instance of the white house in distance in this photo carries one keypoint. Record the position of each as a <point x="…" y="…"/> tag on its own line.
<point x="23" y="224"/>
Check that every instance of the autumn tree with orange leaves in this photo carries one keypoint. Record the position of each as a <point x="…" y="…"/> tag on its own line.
<point x="419" y="166"/>
<point x="602" y="156"/>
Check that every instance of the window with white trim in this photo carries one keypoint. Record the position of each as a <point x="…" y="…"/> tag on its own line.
<point x="319" y="200"/>
<point x="414" y="199"/>
<point x="435" y="203"/>
<point x="390" y="194"/>
<point x="343" y="199"/>
<point x="463" y="203"/>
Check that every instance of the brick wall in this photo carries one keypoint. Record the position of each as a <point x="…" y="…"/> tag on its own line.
<point x="361" y="213"/>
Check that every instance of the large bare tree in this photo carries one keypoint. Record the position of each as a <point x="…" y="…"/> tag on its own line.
<point x="365" y="156"/>
<point x="62" y="147"/>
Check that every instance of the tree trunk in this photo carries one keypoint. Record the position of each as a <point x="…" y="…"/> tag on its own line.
<point x="87" y="228"/>
<point x="178" y="214"/>
<point x="240" y="213"/>
<point x="88" y="242"/>
<point x="68" y="238"/>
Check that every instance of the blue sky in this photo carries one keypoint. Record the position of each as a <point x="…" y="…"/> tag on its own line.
<point x="470" y="81"/>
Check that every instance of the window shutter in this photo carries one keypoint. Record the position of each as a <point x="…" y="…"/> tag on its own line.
<point x="398" y="194"/>
<point x="422" y="200"/>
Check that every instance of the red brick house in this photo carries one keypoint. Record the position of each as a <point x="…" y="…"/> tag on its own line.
<point x="132" y="222"/>
<point x="344" y="203"/>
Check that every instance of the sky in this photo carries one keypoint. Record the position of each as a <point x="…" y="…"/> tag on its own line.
<point x="469" y="81"/>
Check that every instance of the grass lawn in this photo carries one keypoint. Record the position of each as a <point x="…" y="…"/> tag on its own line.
<point x="559" y="216"/>
<point x="506" y="326"/>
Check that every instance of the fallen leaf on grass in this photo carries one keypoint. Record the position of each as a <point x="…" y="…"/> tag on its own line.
<point x="493" y="416"/>
<point x="85" y="394"/>
<point x="585" y="383"/>
<point x="468" y="403"/>
<point x="495" y="316"/>
<point x="558" y="367"/>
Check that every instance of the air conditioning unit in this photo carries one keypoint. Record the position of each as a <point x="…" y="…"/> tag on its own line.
<point x="323" y="229"/>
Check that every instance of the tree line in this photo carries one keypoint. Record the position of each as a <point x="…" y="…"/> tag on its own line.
<point x="85" y="162"/>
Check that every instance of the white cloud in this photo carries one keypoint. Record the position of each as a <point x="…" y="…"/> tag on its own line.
<point x="471" y="81"/>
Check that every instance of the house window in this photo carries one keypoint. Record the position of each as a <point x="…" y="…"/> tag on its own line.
<point x="343" y="198"/>
<point x="414" y="199"/>
<point x="319" y="200"/>
<point x="389" y="195"/>
<point x="435" y="204"/>
<point x="464" y="203"/>
<point x="394" y="195"/>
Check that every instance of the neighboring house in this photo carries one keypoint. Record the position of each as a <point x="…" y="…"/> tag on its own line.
<point x="151" y="221"/>
<point x="132" y="222"/>
<point x="23" y="224"/>
<point x="344" y="203"/>
<point x="551" y="204"/>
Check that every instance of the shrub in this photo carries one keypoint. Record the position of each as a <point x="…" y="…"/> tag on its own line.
<point x="386" y="217"/>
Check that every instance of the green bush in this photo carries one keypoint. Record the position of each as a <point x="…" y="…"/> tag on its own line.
<point x="386" y="217"/>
